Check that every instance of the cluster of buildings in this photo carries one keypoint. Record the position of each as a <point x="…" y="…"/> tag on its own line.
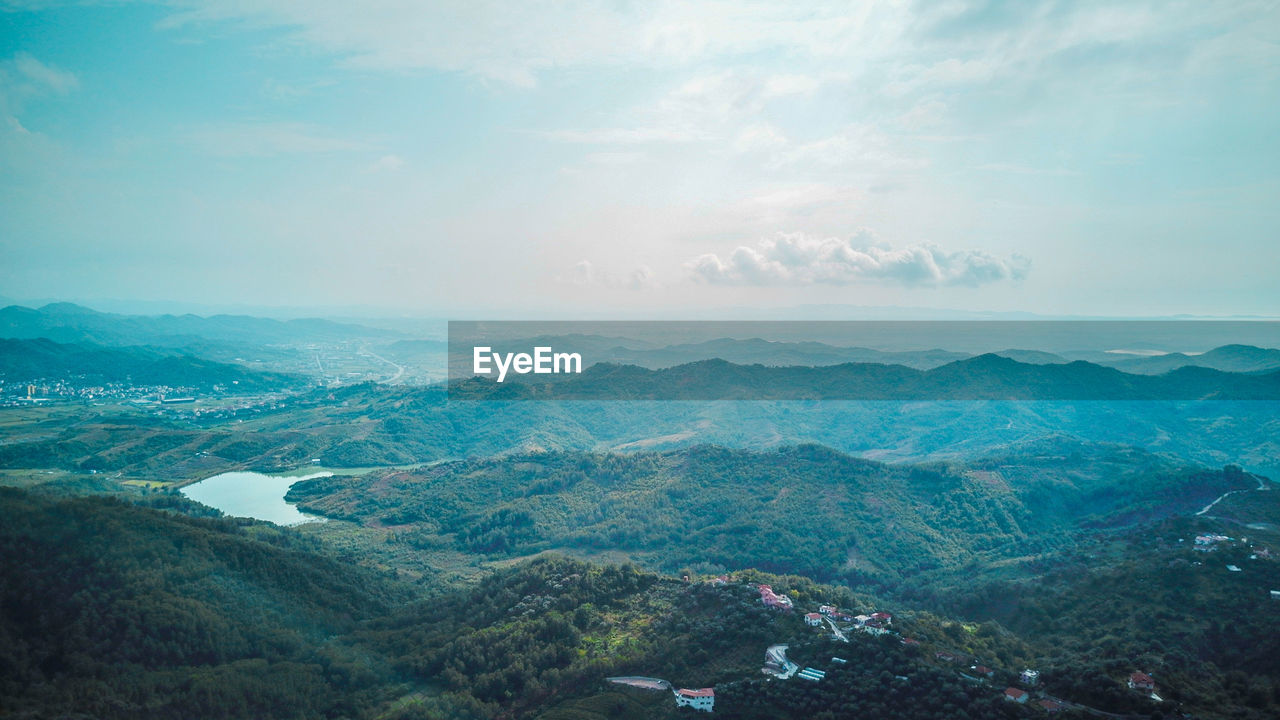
<point x="42" y="391"/>
<point x="1208" y="543"/>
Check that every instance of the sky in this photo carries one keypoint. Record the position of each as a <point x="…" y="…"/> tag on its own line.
<point x="484" y="160"/>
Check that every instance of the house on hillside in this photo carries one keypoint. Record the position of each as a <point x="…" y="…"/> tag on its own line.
<point x="1029" y="677"/>
<point x="1051" y="706"/>
<point x="983" y="671"/>
<point x="945" y="656"/>
<point x="1016" y="695"/>
<point x="828" y="609"/>
<point x="1205" y="543"/>
<point x="774" y="600"/>
<point x="883" y="618"/>
<point x="701" y="699"/>
<point x="812" y="619"/>
<point x="1141" y="682"/>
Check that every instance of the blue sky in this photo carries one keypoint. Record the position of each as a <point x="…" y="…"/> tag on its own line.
<point x="471" y="159"/>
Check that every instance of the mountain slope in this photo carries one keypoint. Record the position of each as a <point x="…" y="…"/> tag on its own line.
<point x="45" y="359"/>
<point x="1228" y="358"/>
<point x="122" y="611"/>
<point x="806" y="510"/>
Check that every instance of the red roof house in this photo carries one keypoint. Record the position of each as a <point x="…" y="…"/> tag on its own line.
<point x="1141" y="681"/>
<point x="700" y="699"/>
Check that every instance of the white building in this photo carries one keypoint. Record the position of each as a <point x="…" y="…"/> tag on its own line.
<point x="703" y="699"/>
<point x="813" y="619"/>
<point x="1029" y="677"/>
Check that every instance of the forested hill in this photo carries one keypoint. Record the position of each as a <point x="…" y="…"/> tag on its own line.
<point x="109" y="610"/>
<point x="807" y="510"/>
<point x="112" y="610"/>
<point x="42" y="359"/>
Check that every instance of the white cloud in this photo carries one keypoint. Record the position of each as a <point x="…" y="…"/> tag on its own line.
<point x="859" y="146"/>
<point x="759" y="137"/>
<point x="585" y="275"/>
<point x="23" y="77"/>
<point x="797" y="259"/>
<point x="708" y="107"/>
<point x="43" y="76"/>
<point x="513" y="42"/>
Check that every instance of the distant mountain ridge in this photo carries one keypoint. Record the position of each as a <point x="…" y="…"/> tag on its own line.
<point x="751" y="351"/>
<point x="1228" y="358"/>
<point x="985" y="377"/>
<point x="45" y="359"/>
<point x="70" y="323"/>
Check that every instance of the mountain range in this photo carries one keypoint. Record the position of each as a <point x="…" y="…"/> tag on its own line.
<point x="42" y="359"/>
<point x="70" y="323"/>
<point x="985" y="377"/>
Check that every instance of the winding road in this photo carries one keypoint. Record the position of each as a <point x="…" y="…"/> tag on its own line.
<point x="1261" y="486"/>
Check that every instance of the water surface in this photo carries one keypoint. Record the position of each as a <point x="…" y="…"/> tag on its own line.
<point x="253" y="495"/>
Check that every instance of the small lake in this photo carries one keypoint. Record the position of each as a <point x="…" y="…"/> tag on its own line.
<point x="253" y="495"/>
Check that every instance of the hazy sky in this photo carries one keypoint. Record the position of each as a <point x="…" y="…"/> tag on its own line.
<point x="477" y="158"/>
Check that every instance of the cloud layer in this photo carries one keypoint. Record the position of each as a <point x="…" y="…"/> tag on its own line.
<point x="796" y="259"/>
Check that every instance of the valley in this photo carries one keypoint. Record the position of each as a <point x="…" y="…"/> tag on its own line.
<point x="488" y="558"/>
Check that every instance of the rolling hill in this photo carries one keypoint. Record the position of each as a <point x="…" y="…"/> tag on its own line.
<point x="806" y="510"/>
<point x="112" y="610"/>
<point x="35" y="359"/>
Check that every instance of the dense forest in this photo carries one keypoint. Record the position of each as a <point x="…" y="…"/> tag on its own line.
<point x="117" y="608"/>
<point x="806" y="509"/>
<point x="108" y="609"/>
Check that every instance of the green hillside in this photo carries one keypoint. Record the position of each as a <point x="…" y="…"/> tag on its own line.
<point x="806" y="510"/>
<point x="117" y="611"/>
<point x="25" y="360"/>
